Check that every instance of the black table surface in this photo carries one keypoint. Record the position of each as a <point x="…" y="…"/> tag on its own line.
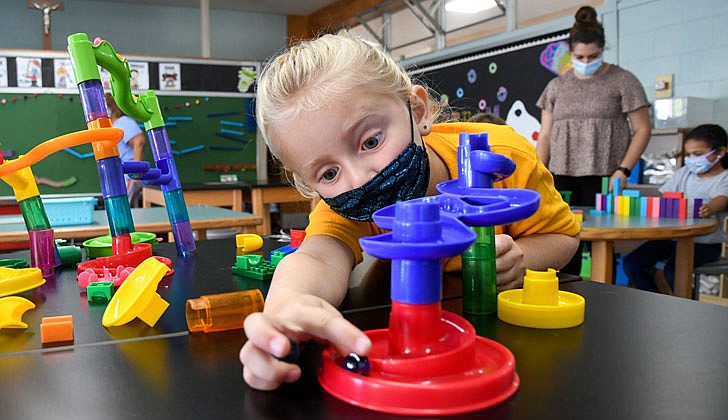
<point x="637" y="355"/>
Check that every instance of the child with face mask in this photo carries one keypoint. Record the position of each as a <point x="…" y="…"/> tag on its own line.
<point x="703" y="176"/>
<point x="353" y="129"/>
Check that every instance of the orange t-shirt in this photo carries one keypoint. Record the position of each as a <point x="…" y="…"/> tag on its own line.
<point x="553" y="214"/>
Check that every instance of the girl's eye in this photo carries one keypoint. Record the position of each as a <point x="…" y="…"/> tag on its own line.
<point x="371" y="142"/>
<point x="329" y="174"/>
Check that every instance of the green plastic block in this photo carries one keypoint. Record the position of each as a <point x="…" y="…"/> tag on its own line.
<point x="253" y="266"/>
<point x="100" y="289"/>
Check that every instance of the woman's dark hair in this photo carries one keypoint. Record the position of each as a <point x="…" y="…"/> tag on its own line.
<point x="586" y="29"/>
<point x="714" y="136"/>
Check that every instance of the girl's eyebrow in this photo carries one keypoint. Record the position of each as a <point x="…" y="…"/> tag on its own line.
<point x="351" y="129"/>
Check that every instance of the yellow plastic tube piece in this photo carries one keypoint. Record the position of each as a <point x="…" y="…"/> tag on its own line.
<point x="12" y="309"/>
<point x="16" y="280"/>
<point x="224" y="311"/>
<point x="540" y="304"/>
<point x="248" y="242"/>
<point x="137" y="297"/>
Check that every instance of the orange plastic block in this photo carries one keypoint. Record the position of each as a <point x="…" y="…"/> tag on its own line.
<point x="56" y="328"/>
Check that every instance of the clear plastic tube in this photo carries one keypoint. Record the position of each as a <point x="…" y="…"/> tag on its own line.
<point x="220" y="312"/>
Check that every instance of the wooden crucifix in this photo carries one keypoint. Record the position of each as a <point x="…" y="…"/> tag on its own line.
<point x="46" y="7"/>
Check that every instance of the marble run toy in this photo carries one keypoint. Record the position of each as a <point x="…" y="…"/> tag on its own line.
<point x="16" y="280"/>
<point x="56" y="329"/>
<point x="18" y="174"/>
<point x="101" y="290"/>
<point x="540" y="304"/>
<point x="436" y="352"/>
<point x="429" y="361"/>
<point x="224" y="311"/>
<point x="89" y="276"/>
<point x="254" y="266"/>
<point x="138" y="297"/>
<point x="86" y="57"/>
<point x="12" y="309"/>
<point x="100" y="246"/>
<point x="471" y="199"/>
<point x="248" y="242"/>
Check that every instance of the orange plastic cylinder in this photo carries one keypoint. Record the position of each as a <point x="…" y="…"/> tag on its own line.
<point x="225" y="311"/>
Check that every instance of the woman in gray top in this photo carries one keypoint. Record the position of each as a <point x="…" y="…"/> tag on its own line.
<point x="587" y="114"/>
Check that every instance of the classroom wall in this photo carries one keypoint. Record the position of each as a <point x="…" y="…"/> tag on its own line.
<point x="685" y="38"/>
<point x="156" y="30"/>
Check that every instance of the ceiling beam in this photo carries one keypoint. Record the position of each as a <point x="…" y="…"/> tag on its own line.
<point x="339" y="14"/>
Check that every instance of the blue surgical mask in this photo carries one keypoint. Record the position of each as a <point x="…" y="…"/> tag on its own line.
<point x="700" y="164"/>
<point x="586" y="69"/>
<point x="405" y="178"/>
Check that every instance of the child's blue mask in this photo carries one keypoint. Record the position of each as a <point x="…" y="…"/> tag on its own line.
<point x="700" y="164"/>
<point x="586" y="69"/>
<point x="405" y="178"/>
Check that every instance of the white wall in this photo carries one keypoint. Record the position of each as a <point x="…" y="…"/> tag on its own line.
<point x="686" y="38"/>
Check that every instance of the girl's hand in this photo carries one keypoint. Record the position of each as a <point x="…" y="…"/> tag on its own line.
<point x="705" y="211"/>
<point x="304" y="317"/>
<point x="510" y="266"/>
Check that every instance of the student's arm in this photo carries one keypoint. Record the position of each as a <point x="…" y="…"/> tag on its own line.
<point x="535" y="252"/>
<point x="639" y="120"/>
<point x="137" y="145"/>
<point x="544" y="137"/>
<point x="301" y="305"/>
<point x="715" y="206"/>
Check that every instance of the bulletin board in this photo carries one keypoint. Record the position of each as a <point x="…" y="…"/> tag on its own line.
<point x="505" y="81"/>
<point x="206" y="105"/>
<point x="223" y="126"/>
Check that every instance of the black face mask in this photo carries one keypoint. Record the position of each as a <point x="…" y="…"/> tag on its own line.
<point x="405" y="178"/>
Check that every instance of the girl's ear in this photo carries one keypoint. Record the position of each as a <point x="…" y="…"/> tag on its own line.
<point x="420" y="103"/>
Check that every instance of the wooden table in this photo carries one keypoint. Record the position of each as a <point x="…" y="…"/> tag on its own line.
<point x="604" y="230"/>
<point x="154" y="220"/>
<point x="260" y="194"/>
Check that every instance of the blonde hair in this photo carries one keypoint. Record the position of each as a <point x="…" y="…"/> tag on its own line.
<point x="312" y="72"/>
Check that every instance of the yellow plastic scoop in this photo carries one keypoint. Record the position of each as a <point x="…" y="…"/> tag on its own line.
<point x="12" y="309"/>
<point x="540" y="304"/>
<point x="16" y="280"/>
<point x="138" y="297"/>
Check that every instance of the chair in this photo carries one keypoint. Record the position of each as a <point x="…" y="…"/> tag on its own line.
<point x="716" y="268"/>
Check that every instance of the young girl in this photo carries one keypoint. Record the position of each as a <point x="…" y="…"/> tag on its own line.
<point x="352" y="128"/>
<point x="703" y="176"/>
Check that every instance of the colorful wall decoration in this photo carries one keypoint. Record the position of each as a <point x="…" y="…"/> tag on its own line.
<point x="505" y="81"/>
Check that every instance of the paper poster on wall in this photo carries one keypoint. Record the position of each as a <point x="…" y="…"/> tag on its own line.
<point x="169" y="76"/>
<point x="246" y="77"/>
<point x="504" y="81"/>
<point x="3" y="72"/>
<point x="29" y="72"/>
<point x="139" y="75"/>
<point x="63" y="74"/>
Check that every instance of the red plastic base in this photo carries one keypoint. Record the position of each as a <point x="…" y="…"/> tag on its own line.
<point x="131" y="258"/>
<point x="471" y="374"/>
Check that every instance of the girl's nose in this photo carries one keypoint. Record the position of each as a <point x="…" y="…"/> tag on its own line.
<point x="362" y="174"/>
